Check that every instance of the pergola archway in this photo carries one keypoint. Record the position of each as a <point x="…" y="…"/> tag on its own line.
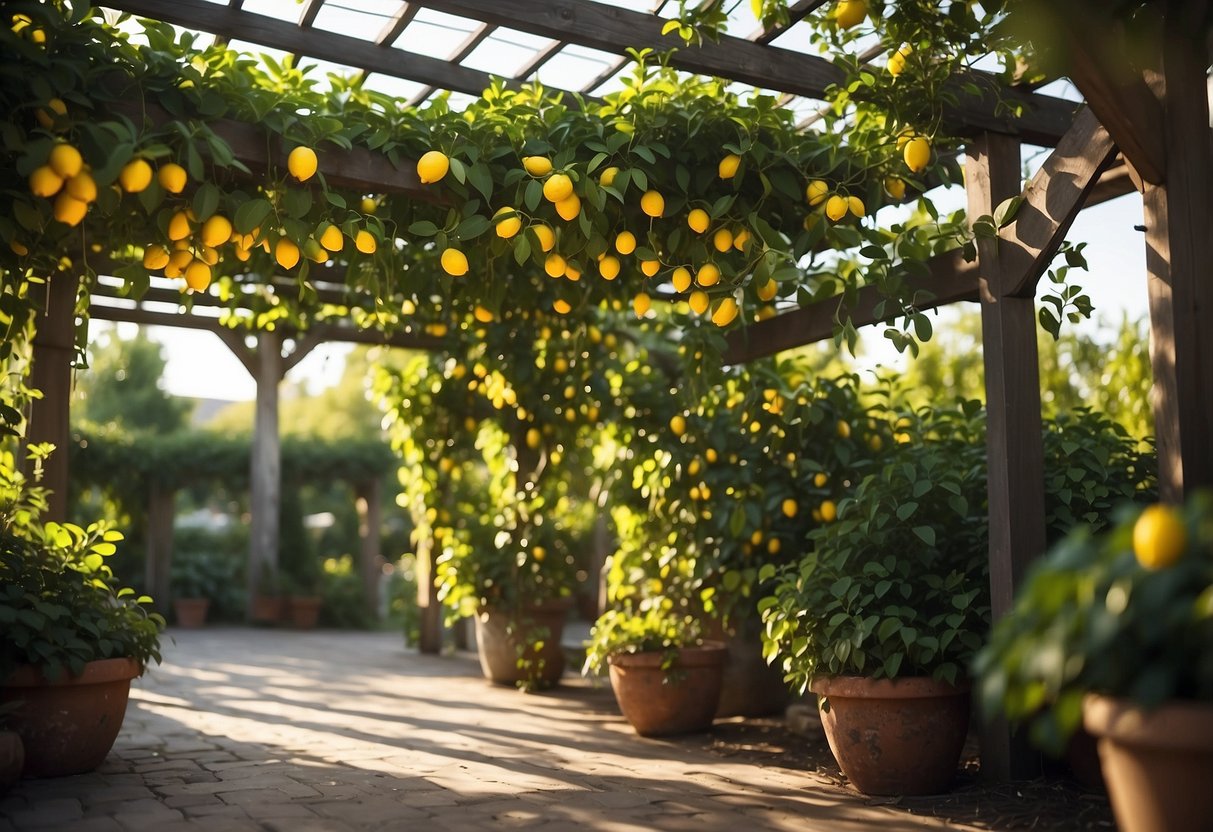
<point x="1170" y="166"/>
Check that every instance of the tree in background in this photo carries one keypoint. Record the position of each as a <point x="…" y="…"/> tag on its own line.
<point x="123" y="387"/>
<point x="1076" y="370"/>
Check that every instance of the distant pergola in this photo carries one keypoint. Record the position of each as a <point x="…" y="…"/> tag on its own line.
<point x="1147" y="131"/>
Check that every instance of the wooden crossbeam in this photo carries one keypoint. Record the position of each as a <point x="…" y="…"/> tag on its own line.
<point x="311" y="8"/>
<point x="466" y="48"/>
<point x="797" y="12"/>
<point x="952" y="279"/>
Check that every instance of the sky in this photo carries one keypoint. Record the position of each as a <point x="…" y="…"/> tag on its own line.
<point x="200" y="365"/>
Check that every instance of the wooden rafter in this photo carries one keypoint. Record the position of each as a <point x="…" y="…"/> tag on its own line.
<point x="307" y="17"/>
<point x="797" y="12"/>
<point x="473" y="40"/>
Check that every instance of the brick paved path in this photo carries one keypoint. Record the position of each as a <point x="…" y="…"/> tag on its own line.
<point x="293" y="732"/>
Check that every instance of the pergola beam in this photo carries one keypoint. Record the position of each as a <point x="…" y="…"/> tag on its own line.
<point x="797" y="12"/>
<point x="952" y="279"/>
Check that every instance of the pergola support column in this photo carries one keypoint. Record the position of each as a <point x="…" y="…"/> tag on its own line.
<point x="161" y="512"/>
<point x="51" y="373"/>
<point x="370" y="560"/>
<point x="1015" y="452"/>
<point x="265" y="472"/>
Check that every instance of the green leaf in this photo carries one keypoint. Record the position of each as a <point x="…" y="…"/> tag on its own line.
<point x="423" y="228"/>
<point x="926" y="534"/>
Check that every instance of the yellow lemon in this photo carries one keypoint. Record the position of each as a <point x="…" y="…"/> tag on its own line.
<point x="607" y="178"/>
<point x="179" y="226"/>
<point x="698" y="220"/>
<point x="533" y="438"/>
<point x="766" y="311"/>
<point x="155" y="257"/>
<point x="572" y="272"/>
<point x="557" y="187"/>
<point x="789" y="507"/>
<point x="562" y="306"/>
<point x="850" y="13"/>
<point x="897" y="61"/>
<point x="537" y="165"/>
<point x="65" y="160"/>
<point x="608" y="267"/>
<point x="365" y="242"/>
<point x="1159" y="537"/>
<point x="722" y="240"/>
<point x="727" y="168"/>
<point x="136" y="175"/>
<point x="699" y="302"/>
<point x="18" y="248"/>
<point x="709" y="275"/>
<point x="302" y="163"/>
<point x="510" y="226"/>
<point x="198" y="276"/>
<point x="368" y="205"/>
<point x="773" y="546"/>
<point x="625" y="242"/>
<point x="242" y="253"/>
<point x="641" y="304"/>
<point x="216" y="231"/>
<point x="332" y="238"/>
<point x="650" y="267"/>
<point x="725" y="312"/>
<point x="286" y="253"/>
<point x="768" y="290"/>
<point x="820" y="479"/>
<point x="56" y="109"/>
<point x="485" y="316"/>
<point x="539" y="553"/>
<point x="554" y="265"/>
<point x="432" y="166"/>
<point x="454" y="262"/>
<point x="678" y="424"/>
<point x="652" y="203"/>
<point x="740" y="239"/>
<point x="817" y="191"/>
<point x="855" y="206"/>
<point x="569" y="207"/>
<point x="896" y="187"/>
<point x="681" y="278"/>
<point x="172" y="177"/>
<point x="829" y="511"/>
<point x="843" y="429"/>
<point x="917" y="154"/>
<point x="312" y="250"/>
<point x="547" y="237"/>
<point x="45" y="182"/>
<point x="836" y="207"/>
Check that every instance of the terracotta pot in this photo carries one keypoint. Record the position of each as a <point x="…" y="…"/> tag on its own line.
<point x="68" y="726"/>
<point x="501" y="643"/>
<point x="12" y="759"/>
<point x="1158" y="764"/>
<point x="190" y="613"/>
<point x="750" y="686"/>
<point x="895" y="736"/>
<point x="305" y="611"/>
<point x="679" y="700"/>
<point x="266" y="609"/>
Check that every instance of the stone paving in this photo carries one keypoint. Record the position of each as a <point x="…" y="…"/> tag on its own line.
<point x="279" y="731"/>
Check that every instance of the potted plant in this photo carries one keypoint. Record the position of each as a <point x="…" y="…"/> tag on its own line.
<point x="267" y="605"/>
<point x="192" y="586"/>
<point x="1114" y="631"/>
<point x="882" y="616"/>
<point x="73" y="639"/>
<point x="303" y="601"/>
<point x="665" y="677"/>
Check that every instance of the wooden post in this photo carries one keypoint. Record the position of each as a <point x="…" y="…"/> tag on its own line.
<point x="427" y="598"/>
<point x="1179" y="249"/>
<point x="370" y="560"/>
<point x="1015" y="451"/>
<point x="265" y="474"/>
<point x="51" y="373"/>
<point x="161" y="512"/>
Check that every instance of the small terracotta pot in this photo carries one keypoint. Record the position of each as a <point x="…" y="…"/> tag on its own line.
<point x="68" y="726"/>
<point x="501" y="634"/>
<point x="679" y="700"/>
<point x="305" y="611"/>
<point x="12" y="759"/>
<point x="895" y="736"/>
<point x="1158" y="764"/>
<point x="190" y="613"/>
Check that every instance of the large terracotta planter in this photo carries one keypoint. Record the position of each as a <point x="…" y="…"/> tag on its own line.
<point x="750" y="686"/>
<point x="190" y="613"/>
<point x="501" y="643"/>
<point x="679" y="700"/>
<point x="304" y="611"/>
<point x="895" y="736"/>
<point x="1158" y="764"/>
<point x="68" y="726"/>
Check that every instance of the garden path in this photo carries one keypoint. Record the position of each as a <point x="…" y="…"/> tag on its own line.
<point x="274" y="730"/>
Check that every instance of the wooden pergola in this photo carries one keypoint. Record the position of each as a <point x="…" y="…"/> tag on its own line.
<point x="1146" y="130"/>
